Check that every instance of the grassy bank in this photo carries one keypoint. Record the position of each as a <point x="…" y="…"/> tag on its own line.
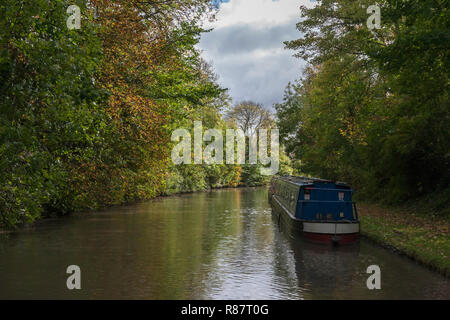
<point x="423" y="237"/>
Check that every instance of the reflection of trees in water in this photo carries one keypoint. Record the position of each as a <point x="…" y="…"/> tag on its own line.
<point x="194" y="236"/>
<point x="242" y="255"/>
<point x="325" y="266"/>
<point x="164" y="249"/>
<point x="198" y="246"/>
<point x="318" y="266"/>
<point x="284" y="265"/>
<point x="193" y="227"/>
<point x="327" y="272"/>
<point x="254" y="221"/>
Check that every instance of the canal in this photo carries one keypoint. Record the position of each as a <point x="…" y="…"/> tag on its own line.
<point x="223" y="244"/>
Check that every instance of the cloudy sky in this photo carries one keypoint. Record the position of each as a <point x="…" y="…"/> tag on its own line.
<point x="246" y="48"/>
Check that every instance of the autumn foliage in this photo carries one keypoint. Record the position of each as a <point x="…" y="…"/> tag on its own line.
<point x="86" y="115"/>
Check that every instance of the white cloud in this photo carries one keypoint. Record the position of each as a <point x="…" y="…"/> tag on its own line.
<point x="246" y="48"/>
<point x="259" y="12"/>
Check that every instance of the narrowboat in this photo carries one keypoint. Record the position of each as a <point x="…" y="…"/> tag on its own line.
<point x="321" y="210"/>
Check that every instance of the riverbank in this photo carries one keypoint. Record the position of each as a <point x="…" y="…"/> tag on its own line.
<point x="424" y="238"/>
<point x="47" y="217"/>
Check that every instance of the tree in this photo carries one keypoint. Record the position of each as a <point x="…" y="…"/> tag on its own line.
<point x="374" y="107"/>
<point x="51" y="113"/>
<point x="86" y="115"/>
<point x="250" y="117"/>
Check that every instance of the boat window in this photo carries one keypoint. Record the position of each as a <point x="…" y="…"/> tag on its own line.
<point x="307" y="195"/>
<point x="341" y="196"/>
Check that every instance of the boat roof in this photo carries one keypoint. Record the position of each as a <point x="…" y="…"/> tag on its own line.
<point x="309" y="180"/>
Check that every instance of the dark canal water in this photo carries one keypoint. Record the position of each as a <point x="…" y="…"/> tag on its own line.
<point x="218" y="245"/>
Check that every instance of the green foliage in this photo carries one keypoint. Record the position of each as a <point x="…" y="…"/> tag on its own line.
<point x="86" y="115"/>
<point x="252" y="177"/>
<point x="372" y="107"/>
<point x="50" y="111"/>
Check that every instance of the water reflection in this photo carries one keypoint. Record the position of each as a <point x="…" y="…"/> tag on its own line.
<point x="325" y="271"/>
<point x="222" y="244"/>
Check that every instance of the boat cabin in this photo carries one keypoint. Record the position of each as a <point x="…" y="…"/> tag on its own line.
<point x="314" y="199"/>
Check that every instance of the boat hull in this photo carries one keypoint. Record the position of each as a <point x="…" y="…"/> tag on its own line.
<point x="331" y="232"/>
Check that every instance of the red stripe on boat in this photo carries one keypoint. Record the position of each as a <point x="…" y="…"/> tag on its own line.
<point x="331" y="238"/>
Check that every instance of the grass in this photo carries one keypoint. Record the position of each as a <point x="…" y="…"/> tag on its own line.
<point x="411" y="231"/>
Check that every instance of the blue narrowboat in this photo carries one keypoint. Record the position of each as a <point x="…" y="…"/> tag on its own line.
<point x="322" y="210"/>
